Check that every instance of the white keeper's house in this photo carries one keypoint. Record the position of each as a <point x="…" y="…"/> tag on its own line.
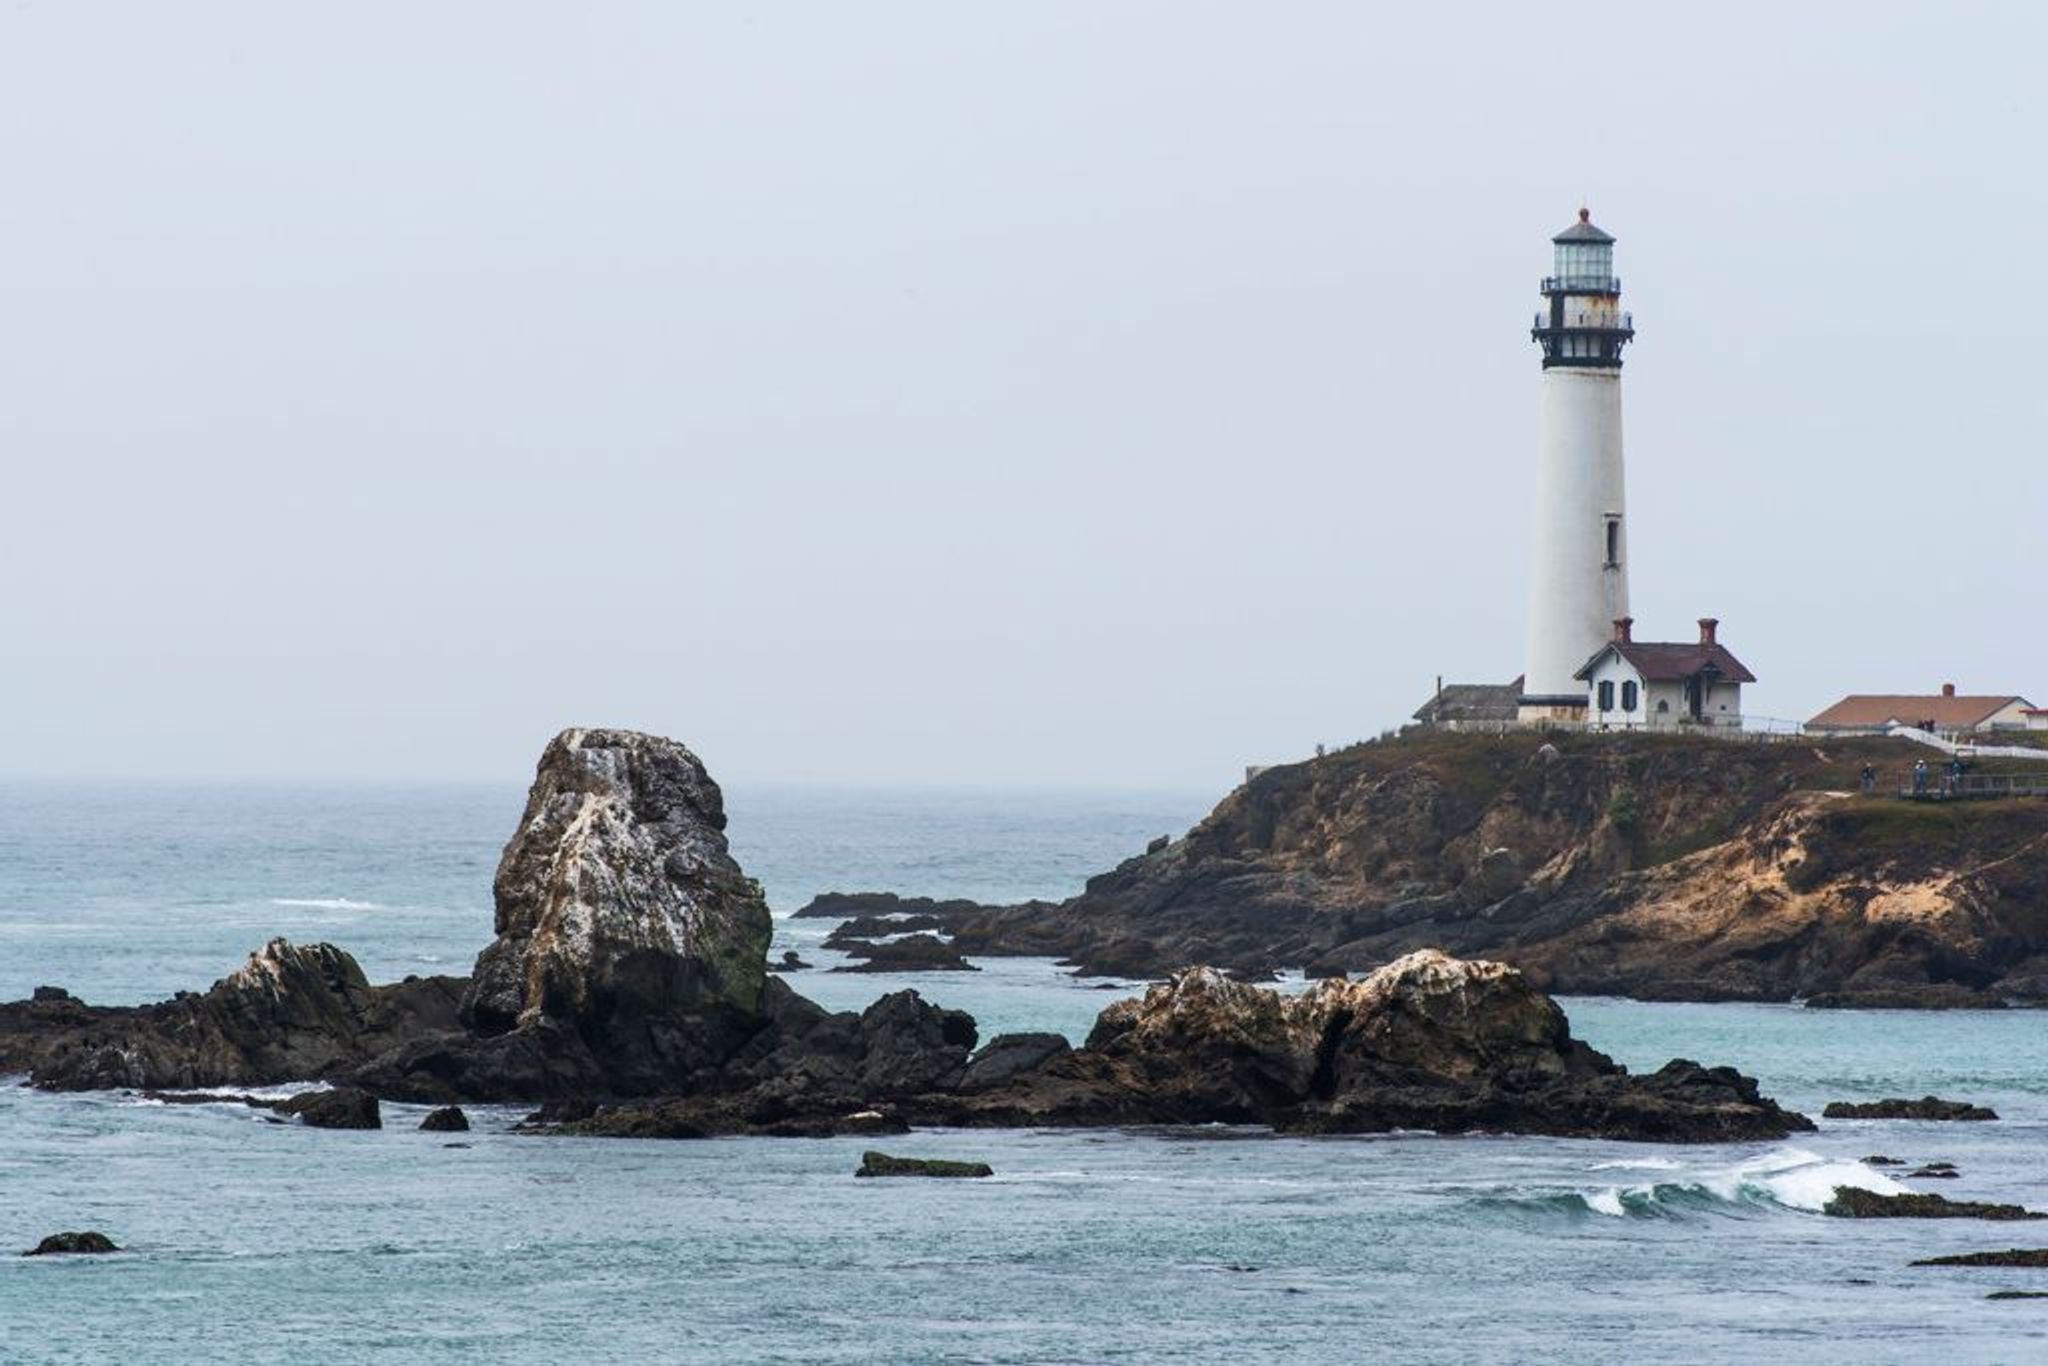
<point x="1658" y="685"/>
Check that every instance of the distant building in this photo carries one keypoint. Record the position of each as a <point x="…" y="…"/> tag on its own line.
<point x="1946" y="713"/>
<point x="1472" y="706"/>
<point x="1656" y="685"/>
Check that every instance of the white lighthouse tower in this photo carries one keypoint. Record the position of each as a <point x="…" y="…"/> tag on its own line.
<point x="1578" y="582"/>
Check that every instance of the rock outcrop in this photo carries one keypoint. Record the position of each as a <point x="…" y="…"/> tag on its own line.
<point x="340" y="1107"/>
<point x="86" y="1243"/>
<point x="1428" y="1042"/>
<point x="621" y="915"/>
<point x="1851" y="1202"/>
<point x="2010" y="1257"/>
<point x="882" y="1164"/>
<point x="291" y="1013"/>
<point x="1661" y="867"/>
<point x="449" y="1119"/>
<point x="1927" y="1107"/>
<point x="911" y="953"/>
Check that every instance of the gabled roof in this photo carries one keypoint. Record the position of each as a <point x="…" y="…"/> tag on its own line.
<point x="1473" y="702"/>
<point x="1860" y="711"/>
<point x="1671" y="661"/>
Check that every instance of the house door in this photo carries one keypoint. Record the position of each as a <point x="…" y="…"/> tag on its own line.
<point x="1695" y="697"/>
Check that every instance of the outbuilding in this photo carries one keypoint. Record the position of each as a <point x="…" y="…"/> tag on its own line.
<point x="1658" y="685"/>
<point x="1947" y="712"/>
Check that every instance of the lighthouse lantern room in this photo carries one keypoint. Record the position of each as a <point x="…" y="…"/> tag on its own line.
<point x="1578" y="583"/>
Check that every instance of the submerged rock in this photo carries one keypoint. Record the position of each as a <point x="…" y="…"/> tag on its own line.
<point x="1927" y="1107"/>
<point x="881" y="1164"/>
<point x="449" y="1119"/>
<point x="2018" y="1295"/>
<point x="2012" y="1256"/>
<point x="1851" y="1202"/>
<point x="86" y="1243"/>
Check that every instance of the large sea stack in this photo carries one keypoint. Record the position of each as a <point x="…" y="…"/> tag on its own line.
<point x="620" y="910"/>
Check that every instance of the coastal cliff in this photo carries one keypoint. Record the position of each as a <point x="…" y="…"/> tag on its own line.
<point x="1649" y="866"/>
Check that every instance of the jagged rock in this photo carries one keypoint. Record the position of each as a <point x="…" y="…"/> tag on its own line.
<point x="912" y="953"/>
<point x="881" y="1164"/>
<point x="342" y="1107"/>
<point x="2012" y="1256"/>
<point x="1880" y="1160"/>
<point x="1927" y="1107"/>
<point x="1851" y="1202"/>
<point x="789" y="962"/>
<point x="449" y="1119"/>
<point x="621" y="915"/>
<point x="72" y="1244"/>
<point x="292" y="1012"/>
<point x="1426" y="1042"/>
<point x="1007" y="1056"/>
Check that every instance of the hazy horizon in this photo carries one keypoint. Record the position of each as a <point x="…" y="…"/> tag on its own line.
<point x="1070" y="397"/>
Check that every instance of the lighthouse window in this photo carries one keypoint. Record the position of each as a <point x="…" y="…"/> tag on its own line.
<point x="1585" y="263"/>
<point x="1613" y="543"/>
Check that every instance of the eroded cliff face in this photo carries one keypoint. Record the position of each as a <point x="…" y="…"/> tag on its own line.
<point x="1649" y="866"/>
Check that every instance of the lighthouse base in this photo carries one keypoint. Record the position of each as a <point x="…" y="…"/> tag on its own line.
<point x="1566" y="709"/>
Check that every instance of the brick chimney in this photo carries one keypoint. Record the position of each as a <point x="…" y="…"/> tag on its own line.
<point x="1624" y="630"/>
<point x="1708" y="625"/>
<point x="1948" y="690"/>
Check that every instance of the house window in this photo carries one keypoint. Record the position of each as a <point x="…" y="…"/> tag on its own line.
<point x="1663" y="704"/>
<point x="1628" y="695"/>
<point x="1607" y="694"/>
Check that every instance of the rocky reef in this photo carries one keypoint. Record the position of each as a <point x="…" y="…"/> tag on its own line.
<point x="1428" y="1042"/>
<point x="1659" y="867"/>
<point x="291" y="1013"/>
<point x="627" y="987"/>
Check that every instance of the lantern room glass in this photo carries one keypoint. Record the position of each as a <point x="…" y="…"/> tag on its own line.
<point x="1588" y="265"/>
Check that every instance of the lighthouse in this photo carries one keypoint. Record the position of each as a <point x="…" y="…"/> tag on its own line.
<point x="1578" y="579"/>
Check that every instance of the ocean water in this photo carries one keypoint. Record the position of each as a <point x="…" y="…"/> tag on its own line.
<point x="254" y="1242"/>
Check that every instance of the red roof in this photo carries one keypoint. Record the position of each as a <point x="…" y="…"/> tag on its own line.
<point x="1862" y="711"/>
<point x="1672" y="661"/>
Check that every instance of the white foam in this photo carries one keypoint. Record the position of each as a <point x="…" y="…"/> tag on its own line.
<point x="1650" y="1164"/>
<point x="1606" y="1202"/>
<point x="326" y="903"/>
<point x="1803" y="1180"/>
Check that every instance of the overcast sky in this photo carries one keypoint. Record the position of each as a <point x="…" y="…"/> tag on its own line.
<point x="1054" y="393"/>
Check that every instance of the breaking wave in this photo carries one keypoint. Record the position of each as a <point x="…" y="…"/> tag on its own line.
<point x="1790" y="1179"/>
